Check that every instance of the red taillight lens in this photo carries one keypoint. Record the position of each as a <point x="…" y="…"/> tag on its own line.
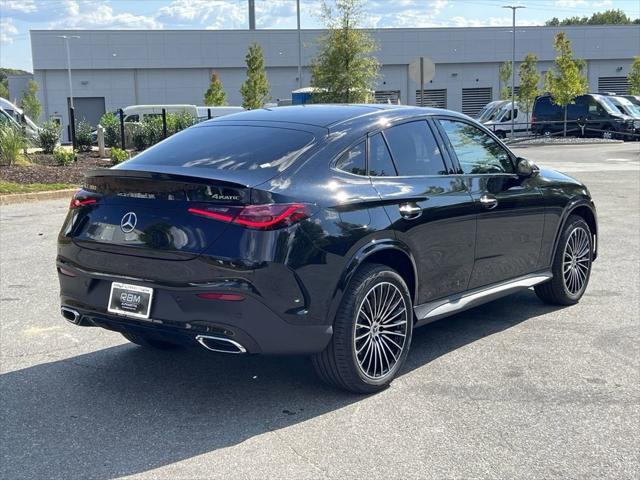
<point x="229" y="297"/>
<point x="82" y="198"/>
<point x="260" y="217"/>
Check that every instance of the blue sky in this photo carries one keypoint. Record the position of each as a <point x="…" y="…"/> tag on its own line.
<point x="17" y="17"/>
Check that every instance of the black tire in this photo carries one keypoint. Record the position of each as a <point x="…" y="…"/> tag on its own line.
<point x="148" y="342"/>
<point x="557" y="291"/>
<point x="501" y="134"/>
<point x="338" y="365"/>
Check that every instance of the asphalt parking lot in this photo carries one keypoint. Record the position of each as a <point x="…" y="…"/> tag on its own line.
<point x="513" y="389"/>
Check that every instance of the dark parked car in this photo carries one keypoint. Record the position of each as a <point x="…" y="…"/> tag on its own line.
<point x="324" y="230"/>
<point x="591" y="115"/>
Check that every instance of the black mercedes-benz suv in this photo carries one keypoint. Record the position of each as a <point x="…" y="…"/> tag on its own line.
<point x="328" y="230"/>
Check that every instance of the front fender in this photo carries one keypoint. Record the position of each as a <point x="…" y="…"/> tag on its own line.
<point x="571" y="207"/>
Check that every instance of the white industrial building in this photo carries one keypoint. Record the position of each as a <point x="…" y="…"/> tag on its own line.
<point x="115" y="68"/>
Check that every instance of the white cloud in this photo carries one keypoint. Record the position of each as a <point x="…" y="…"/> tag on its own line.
<point x="7" y="30"/>
<point x="570" y="3"/>
<point x="83" y="14"/>
<point x="488" y="22"/>
<point x="216" y="13"/>
<point x="22" y="6"/>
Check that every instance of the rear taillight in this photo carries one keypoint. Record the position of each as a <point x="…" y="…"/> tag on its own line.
<point x="82" y="198"/>
<point x="260" y="217"/>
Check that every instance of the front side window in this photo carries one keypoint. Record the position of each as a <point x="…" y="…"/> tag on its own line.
<point x="380" y="162"/>
<point x="477" y="152"/>
<point x="414" y="149"/>
<point x="353" y="160"/>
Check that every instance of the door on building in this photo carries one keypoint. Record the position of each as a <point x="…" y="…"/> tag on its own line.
<point x="88" y="109"/>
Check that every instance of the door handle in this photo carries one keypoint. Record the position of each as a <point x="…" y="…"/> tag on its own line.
<point x="410" y="211"/>
<point x="488" y="201"/>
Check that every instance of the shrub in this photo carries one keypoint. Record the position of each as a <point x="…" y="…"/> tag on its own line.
<point x="12" y="142"/>
<point x="84" y="136"/>
<point x="118" y="155"/>
<point x="111" y="124"/>
<point x="48" y="136"/>
<point x="152" y="130"/>
<point x="64" y="157"/>
<point x="179" y="121"/>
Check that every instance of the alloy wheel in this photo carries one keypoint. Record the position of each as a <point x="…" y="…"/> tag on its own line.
<point x="380" y="333"/>
<point x="576" y="260"/>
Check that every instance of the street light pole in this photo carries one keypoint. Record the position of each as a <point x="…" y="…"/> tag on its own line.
<point x="72" y="119"/>
<point x="513" y="66"/>
<point x="299" y="46"/>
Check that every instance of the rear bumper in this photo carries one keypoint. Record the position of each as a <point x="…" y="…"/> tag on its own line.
<point x="179" y="316"/>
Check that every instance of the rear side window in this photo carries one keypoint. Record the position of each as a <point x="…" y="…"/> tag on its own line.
<point x="228" y="147"/>
<point x="353" y="160"/>
<point x="414" y="149"/>
<point x="380" y="162"/>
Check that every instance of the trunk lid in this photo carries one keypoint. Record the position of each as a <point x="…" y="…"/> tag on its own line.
<point x="146" y="213"/>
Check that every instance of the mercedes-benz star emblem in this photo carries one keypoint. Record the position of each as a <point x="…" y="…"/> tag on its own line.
<point x="128" y="222"/>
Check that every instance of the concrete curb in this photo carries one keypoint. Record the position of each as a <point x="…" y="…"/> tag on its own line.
<point x="12" y="198"/>
<point x="554" y="144"/>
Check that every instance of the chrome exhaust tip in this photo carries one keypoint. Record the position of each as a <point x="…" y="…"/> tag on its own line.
<point x="71" y="315"/>
<point x="220" y="344"/>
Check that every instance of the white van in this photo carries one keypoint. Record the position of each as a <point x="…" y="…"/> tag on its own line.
<point x="500" y="122"/>
<point x="137" y="113"/>
<point x="203" y="112"/>
<point x="18" y="115"/>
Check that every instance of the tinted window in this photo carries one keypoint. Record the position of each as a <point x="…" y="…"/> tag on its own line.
<point x="380" y="163"/>
<point x="228" y="147"/>
<point x="414" y="149"/>
<point x="353" y="160"/>
<point x="477" y="152"/>
<point x="131" y="118"/>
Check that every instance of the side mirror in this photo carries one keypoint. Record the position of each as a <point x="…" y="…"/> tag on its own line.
<point x="526" y="168"/>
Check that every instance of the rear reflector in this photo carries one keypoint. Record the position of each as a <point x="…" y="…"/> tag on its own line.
<point x="229" y="297"/>
<point x="259" y="217"/>
<point x="66" y="272"/>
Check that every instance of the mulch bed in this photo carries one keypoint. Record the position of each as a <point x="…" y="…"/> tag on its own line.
<point x="43" y="169"/>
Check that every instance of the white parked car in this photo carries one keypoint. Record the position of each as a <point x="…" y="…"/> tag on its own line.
<point x="203" y="112"/>
<point x="137" y="113"/>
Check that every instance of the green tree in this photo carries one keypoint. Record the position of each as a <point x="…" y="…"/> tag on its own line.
<point x="566" y="81"/>
<point x="529" y="81"/>
<point x="255" y="89"/>
<point x="634" y="77"/>
<point x="215" y="95"/>
<point x="505" y="75"/>
<point x="608" y="17"/>
<point x="29" y="102"/>
<point x="344" y="70"/>
<point x="4" y="90"/>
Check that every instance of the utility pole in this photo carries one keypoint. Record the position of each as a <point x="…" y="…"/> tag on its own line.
<point x="72" y="116"/>
<point x="513" y="66"/>
<point x="252" y="15"/>
<point x="299" y="45"/>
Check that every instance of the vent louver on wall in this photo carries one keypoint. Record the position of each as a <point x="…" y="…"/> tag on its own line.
<point x="473" y="99"/>
<point x="387" y="96"/>
<point x="617" y="85"/>
<point x="432" y="98"/>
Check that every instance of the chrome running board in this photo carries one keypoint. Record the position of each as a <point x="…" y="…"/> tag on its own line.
<point x="432" y="311"/>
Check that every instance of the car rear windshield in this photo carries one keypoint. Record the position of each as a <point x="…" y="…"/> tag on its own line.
<point x="228" y="147"/>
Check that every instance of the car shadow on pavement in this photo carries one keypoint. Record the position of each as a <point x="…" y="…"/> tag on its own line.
<point x="125" y="409"/>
